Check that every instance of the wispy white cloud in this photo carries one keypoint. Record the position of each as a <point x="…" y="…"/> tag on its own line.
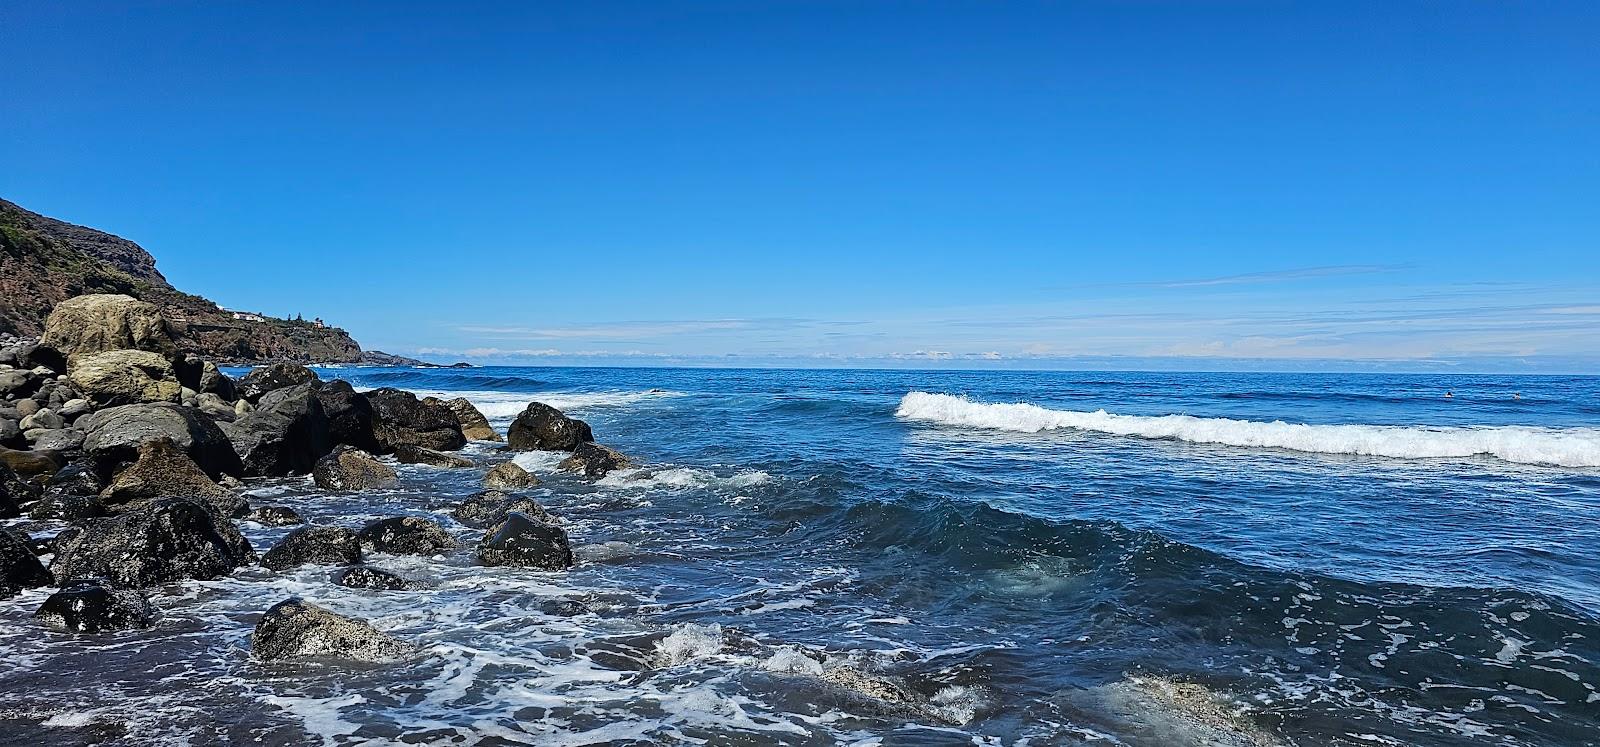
<point x="1278" y="276"/>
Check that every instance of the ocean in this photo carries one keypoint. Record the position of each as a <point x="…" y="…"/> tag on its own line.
<point x="1030" y="558"/>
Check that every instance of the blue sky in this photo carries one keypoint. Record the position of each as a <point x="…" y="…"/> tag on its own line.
<point x="1123" y="184"/>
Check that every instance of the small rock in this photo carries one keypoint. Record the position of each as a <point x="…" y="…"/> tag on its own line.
<point x="509" y="475"/>
<point x="349" y="468"/>
<point x="318" y="545"/>
<point x="490" y="506"/>
<point x="594" y="460"/>
<point x="408" y="454"/>
<point x="275" y="516"/>
<point x="523" y="541"/>
<point x="295" y="629"/>
<point x="407" y="535"/>
<point x="95" y="606"/>
<point x="367" y="577"/>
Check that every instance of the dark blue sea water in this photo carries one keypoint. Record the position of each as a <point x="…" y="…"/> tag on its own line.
<point x="1385" y="566"/>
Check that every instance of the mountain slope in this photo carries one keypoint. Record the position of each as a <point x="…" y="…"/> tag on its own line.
<point x="44" y="261"/>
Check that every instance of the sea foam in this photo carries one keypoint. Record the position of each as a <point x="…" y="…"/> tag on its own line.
<point x="1565" y="447"/>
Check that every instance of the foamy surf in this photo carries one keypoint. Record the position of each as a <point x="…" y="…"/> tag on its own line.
<point x="1567" y="447"/>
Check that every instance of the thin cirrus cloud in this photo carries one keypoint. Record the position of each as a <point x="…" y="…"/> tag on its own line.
<point x="1277" y="276"/>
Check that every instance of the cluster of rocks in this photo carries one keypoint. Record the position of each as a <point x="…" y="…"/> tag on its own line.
<point x="142" y="449"/>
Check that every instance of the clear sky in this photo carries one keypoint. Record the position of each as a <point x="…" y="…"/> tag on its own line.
<point x="1239" y="184"/>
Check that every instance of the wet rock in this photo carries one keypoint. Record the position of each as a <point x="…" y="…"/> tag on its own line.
<point x="473" y="424"/>
<point x="79" y="477"/>
<point x="66" y="506"/>
<point x="163" y="541"/>
<point x="400" y="419"/>
<point x="407" y="454"/>
<point x="296" y="629"/>
<point x="100" y="322"/>
<point x="316" y="545"/>
<point x="349" y="468"/>
<point x="162" y="470"/>
<point x="31" y="464"/>
<point x="349" y="416"/>
<point x="407" y="535"/>
<point x="523" y="541"/>
<point x="95" y="606"/>
<point x="367" y="577"/>
<point x="115" y="434"/>
<point x="490" y="506"/>
<point x="509" y="476"/>
<point x="19" y="567"/>
<point x="123" y="377"/>
<point x="541" y="427"/>
<point x="14" y="492"/>
<point x="594" y="460"/>
<point x="275" y="516"/>
<point x="273" y="377"/>
<point x="286" y="435"/>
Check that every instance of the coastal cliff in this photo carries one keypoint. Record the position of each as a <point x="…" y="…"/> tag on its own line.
<point x="44" y="261"/>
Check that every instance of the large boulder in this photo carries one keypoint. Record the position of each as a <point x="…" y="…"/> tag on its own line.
<point x="406" y="535"/>
<point x="400" y="419"/>
<point x="272" y="377"/>
<point x="408" y="454"/>
<point x="296" y="629"/>
<point x="318" y="545"/>
<point x="160" y="542"/>
<point x="95" y="606"/>
<point x="123" y="377"/>
<point x="101" y="322"/>
<point x="473" y="424"/>
<point x="165" y="471"/>
<point x="490" y="506"/>
<point x="541" y="427"/>
<point x="349" y="415"/>
<point x="285" y="435"/>
<point x="348" y="468"/>
<point x="509" y="476"/>
<point x="114" y="435"/>
<point x="19" y="567"/>
<point x="521" y="540"/>
<point x="594" y="460"/>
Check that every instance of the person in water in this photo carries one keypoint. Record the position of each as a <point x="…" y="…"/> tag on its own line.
<point x="1449" y="395"/>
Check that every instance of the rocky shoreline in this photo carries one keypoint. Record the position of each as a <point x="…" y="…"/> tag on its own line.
<point x="142" y="453"/>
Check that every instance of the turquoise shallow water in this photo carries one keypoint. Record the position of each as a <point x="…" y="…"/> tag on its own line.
<point x="1387" y="566"/>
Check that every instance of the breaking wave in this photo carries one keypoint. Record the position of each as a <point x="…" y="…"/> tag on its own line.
<point x="1562" y="447"/>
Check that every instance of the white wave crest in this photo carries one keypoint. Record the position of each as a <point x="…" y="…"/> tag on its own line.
<point x="1565" y="447"/>
<point x="682" y="477"/>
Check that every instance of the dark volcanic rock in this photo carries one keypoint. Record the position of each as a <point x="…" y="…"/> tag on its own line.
<point x="490" y="506"/>
<point x="14" y="492"/>
<point x="275" y="516"/>
<point x="19" y="567"/>
<point x="95" y="606"/>
<point x="319" y="545"/>
<point x="541" y="427"/>
<point x="66" y="505"/>
<point x="406" y="535"/>
<point x="473" y="424"/>
<point x="57" y="439"/>
<point x="165" y="471"/>
<point x="521" y="540"/>
<point x="349" y="415"/>
<point x="296" y="629"/>
<point x="509" y="475"/>
<point x="407" y="454"/>
<point x="166" y="540"/>
<point x="399" y="418"/>
<point x="273" y="377"/>
<point x="366" y="577"/>
<point x="594" y="460"/>
<point x="286" y="435"/>
<point x="11" y="433"/>
<point x="115" y="434"/>
<point x="349" y="468"/>
<point x="214" y="381"/>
